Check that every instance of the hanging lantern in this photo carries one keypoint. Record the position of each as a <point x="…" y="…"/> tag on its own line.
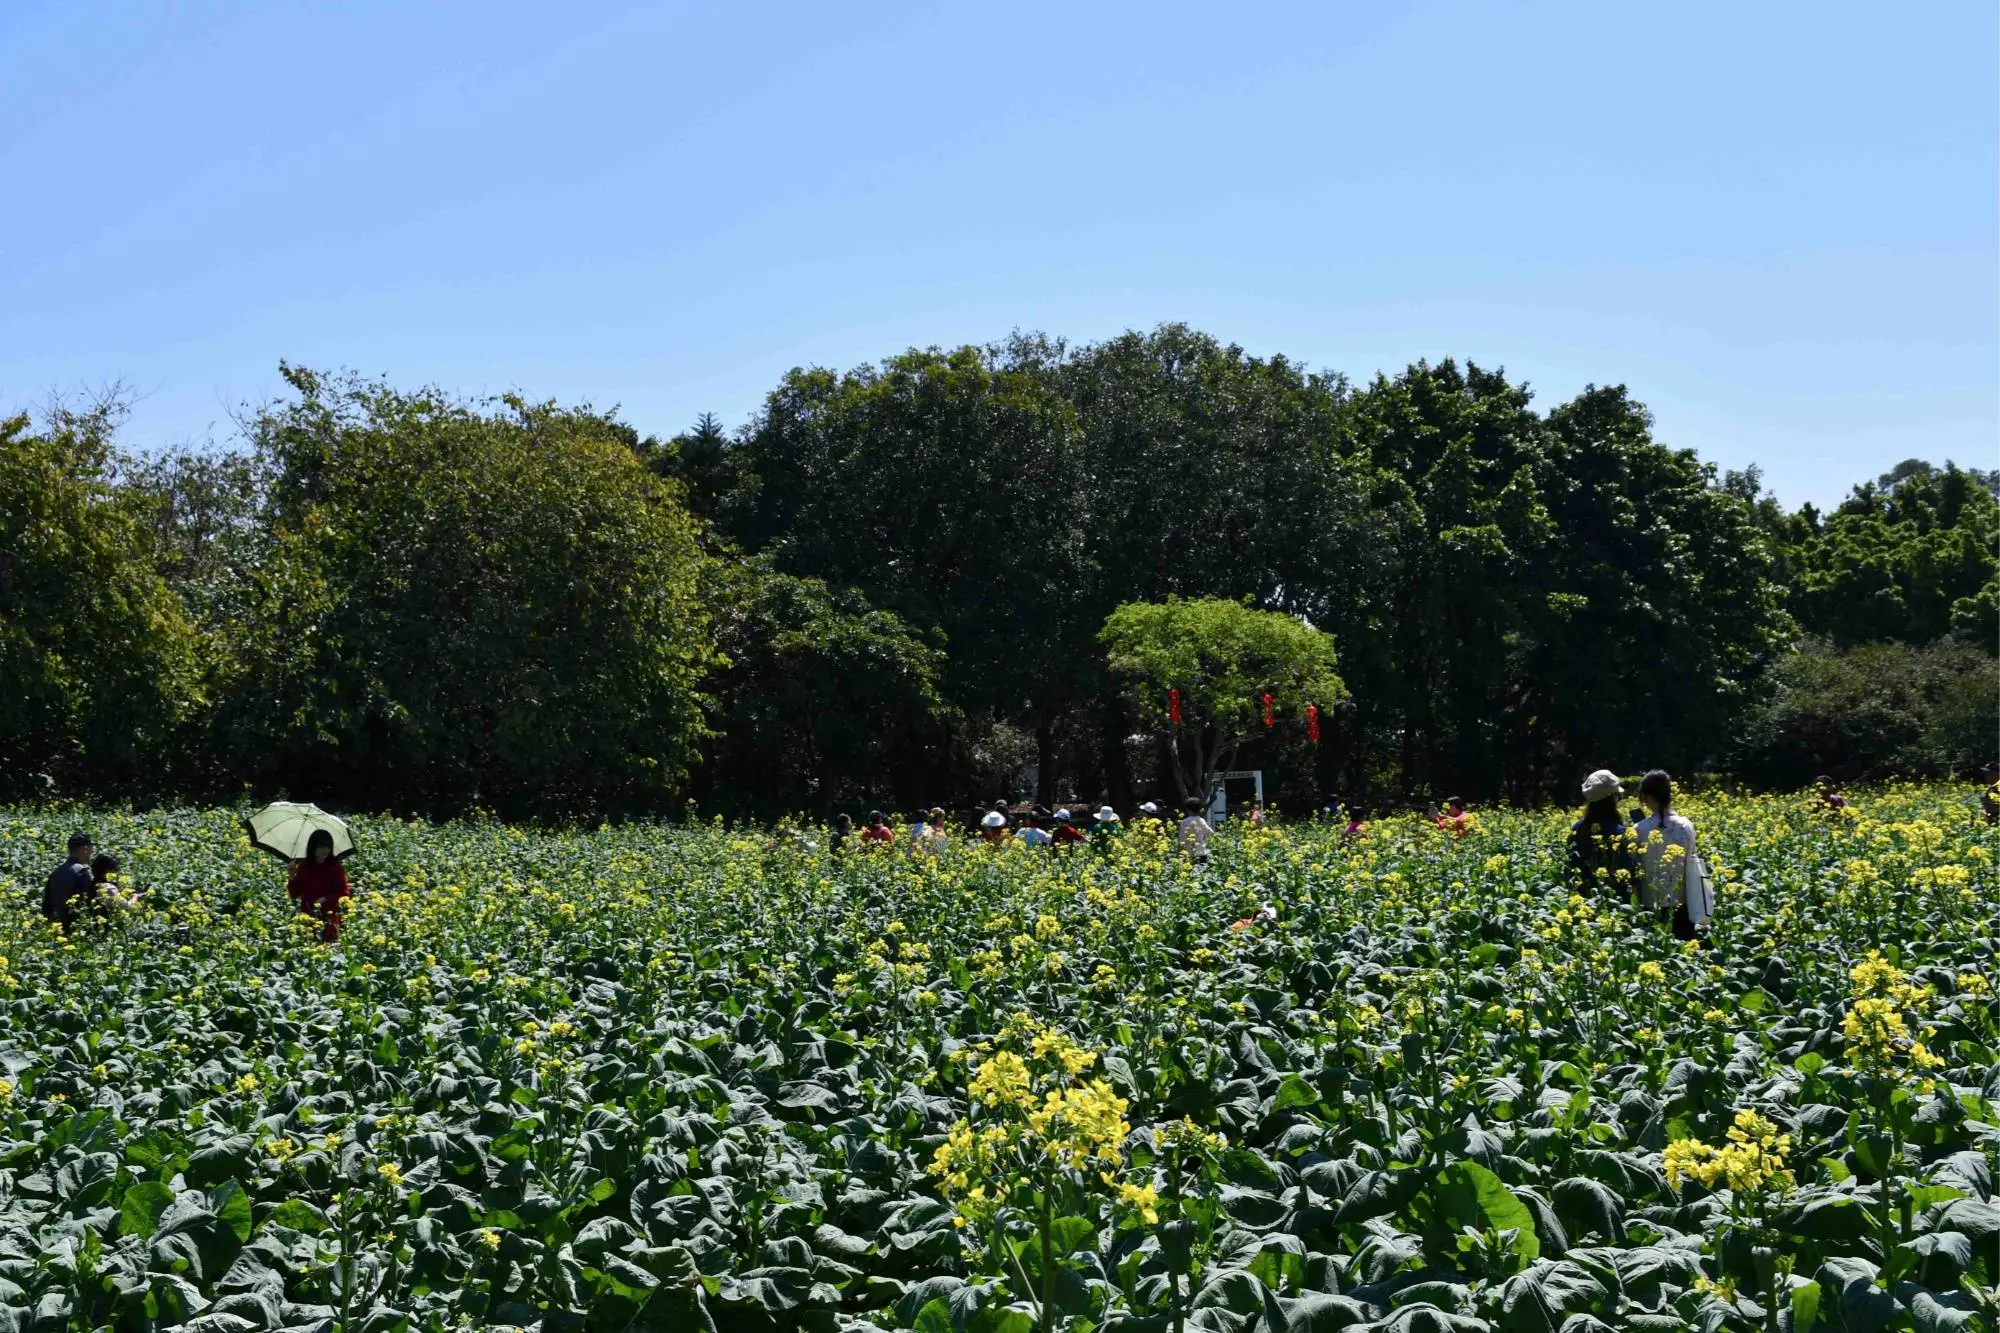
<point x="1270" y="713"/>
<point x="1174" y="707"/>
<point x="1312" y="722"/>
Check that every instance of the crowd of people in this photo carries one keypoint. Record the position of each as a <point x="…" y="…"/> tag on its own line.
<point x="1035" y="828"/>
<point x="1650" y="858"/>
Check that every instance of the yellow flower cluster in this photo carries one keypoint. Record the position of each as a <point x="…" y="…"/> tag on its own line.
<point x="1753" y="1159"/>
<point x="1877" y="1025"/>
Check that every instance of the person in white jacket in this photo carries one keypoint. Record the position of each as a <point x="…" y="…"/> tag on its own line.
<point x="1666" y="842"/>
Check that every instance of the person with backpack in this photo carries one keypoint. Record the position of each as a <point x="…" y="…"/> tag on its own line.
<point x="1601" y="858"/>
<point x="1673" y="874"/>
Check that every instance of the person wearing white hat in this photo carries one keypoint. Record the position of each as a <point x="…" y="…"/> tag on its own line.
<point x="1105" y="827"/>
<point x="1602" y="857"/>
<point x="993" y="828"/>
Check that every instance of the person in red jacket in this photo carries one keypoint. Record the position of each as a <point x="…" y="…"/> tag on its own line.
<point x="878" y="833"/>
<point x="318" y="884"/>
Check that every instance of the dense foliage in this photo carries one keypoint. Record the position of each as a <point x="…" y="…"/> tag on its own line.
<point x="686" y="1078"/>
<point x="889" y="585"/>
<point x="1873" y="710"/>
<point x="97" y="662"/>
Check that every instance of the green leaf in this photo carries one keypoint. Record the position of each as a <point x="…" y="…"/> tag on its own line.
<point x="1069" y="1235"/>
<point x="1471" y="1195"/>
<point x="298" y="1215"/>
<point x="232" y="1208"/>
<point x="140" y="1210"/>
<point x="1805" y="1307"/>
<point x="1294" y="1092"/>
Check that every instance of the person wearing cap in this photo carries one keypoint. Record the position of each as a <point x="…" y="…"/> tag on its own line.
<point x="70" y="886"/>
<point x="1066" y="833"/>
<point x="993" y="828"/>
<point x="1601" y="856"/>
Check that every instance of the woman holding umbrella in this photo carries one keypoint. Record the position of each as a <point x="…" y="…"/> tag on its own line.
<point x="318" y="884"/>
<point x="313" y="841"/>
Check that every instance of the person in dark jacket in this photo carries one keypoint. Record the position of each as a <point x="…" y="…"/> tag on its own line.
<point x="319" y="883"/>
<point x="70" y="888"/>
<point x="1601" y="856"/>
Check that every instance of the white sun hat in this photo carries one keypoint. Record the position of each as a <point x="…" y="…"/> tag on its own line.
<point x="993" y="819"/>
<point x="1106" y="815"/>
<point x="1601" y="784"/>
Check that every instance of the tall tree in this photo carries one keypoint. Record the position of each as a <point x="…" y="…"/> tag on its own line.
<point x="820" y="699"/>
<point x="97" y="657"/>
<point x="465" y="605"/>
<point x="945" y="487"/>
<point x="1910" y="562"/>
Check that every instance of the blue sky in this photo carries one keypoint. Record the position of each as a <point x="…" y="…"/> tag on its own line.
<point x="1775" y="222"/>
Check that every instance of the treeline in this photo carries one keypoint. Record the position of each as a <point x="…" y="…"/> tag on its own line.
<point x="888" y="587"/>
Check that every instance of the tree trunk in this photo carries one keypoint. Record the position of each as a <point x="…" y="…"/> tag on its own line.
<point x="1117" y="775"/>
<point x="1045" y="757"/>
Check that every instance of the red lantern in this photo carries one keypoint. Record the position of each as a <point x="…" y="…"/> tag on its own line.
<point x="1312" y="722"/>
<point x="1270" y="715"/>
<point x="1174" y="706"/>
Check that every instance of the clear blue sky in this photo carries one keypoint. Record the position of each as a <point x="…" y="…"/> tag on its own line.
<point x="1775" y="222"/>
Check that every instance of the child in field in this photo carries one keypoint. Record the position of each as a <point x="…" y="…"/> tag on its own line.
<point x="1195" y="831"/>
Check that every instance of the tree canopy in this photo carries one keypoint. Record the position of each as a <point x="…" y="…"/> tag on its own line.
<point x="1214" y="661"/>
<point x="463" y="605"/>
<point x="98" y="660"/>
<point x="894" y="583"/>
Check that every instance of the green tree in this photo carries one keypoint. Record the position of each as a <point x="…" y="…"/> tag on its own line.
<point x="464" y="605"/>
<point x="1873" y="711"/>
<point x="1456" y="456"/>
<point x="821" y="699"/>
<point x="702" y="460"/>
<point x="97" y="658"/>
<point x="1204" y="472"/>
<point x="1559" y="590"/>
<point x="946" y="488"/>
<point x="1909" y="562"/>
<point x="1654" y="606"/>
<point x="1222" y="657"/>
